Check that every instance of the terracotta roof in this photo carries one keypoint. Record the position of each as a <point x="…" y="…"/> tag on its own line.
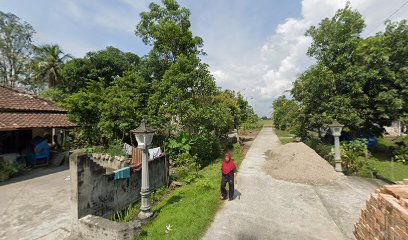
<point x="18" y="120"/>
<point x="16" y="100"/>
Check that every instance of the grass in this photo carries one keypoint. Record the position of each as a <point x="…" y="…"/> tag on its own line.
<point x="189" y="209"/>
<point x="266" y="123"/>
<point x="284" y="136"/>
<point x="381" y="161"/>
<point x="393" y="171"/>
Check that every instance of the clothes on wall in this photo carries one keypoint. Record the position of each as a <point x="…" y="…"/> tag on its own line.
<point x="122" y="173"/>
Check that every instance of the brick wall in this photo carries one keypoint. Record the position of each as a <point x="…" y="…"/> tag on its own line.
<point x="385" y="215"/>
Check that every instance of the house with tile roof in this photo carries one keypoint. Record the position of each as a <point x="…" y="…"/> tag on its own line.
<point x="25" y="116"/>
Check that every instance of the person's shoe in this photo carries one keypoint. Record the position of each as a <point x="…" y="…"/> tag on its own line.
<point x="223" y="198"/>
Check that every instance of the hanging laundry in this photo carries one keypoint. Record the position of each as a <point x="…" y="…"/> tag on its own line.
<point x="154" y="153"/>
<point x="122" y="173"/>
<point x="127" y="149"/>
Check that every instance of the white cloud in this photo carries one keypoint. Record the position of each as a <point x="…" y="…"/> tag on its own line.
<point x="282" y="56"/>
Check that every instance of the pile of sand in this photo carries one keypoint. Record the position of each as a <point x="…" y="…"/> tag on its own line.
<point x="296" y="162"/>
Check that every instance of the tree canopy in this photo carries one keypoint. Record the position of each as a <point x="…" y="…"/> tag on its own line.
<point x="360" y="82"/>
<point x="15" y="48"/>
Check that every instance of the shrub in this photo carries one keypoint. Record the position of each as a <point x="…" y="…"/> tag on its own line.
<point x="114" y="148"/>
<point x="312" y="142"/>
<point x="324" y="150"/>
<point x="237" y="148"/>
<point x="8" y="170"/>
<point x="179" y="150"/>
<point x="207" y="147"/>
<point x="352" y="155"/>
<point x="401" y="154"/>
<point x="251" y="125"/>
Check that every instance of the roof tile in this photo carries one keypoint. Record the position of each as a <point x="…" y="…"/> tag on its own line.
<point x="10" y="121"/>
<point x="12" y="99"/>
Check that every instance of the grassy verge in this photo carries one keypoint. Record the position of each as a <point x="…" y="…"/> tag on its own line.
<point x="381" y="161"/>
<point x="189" y="209"/>
<point x="393" y="171"/>
<point x="284" y="136"/>
<point x="266" y="123"/>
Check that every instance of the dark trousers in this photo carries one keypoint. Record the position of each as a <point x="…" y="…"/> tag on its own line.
<point x="228" y="178"/>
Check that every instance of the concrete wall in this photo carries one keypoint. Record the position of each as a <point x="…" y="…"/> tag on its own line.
<point x="97" y="193"/>
<point x="98" y="228"/>
<point x="110" y="162"/>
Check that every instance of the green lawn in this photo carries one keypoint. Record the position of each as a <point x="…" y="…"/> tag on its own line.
<point x="284" y="136"/>
<point x="382" y="153"/>
<point x="392" y="171"/>
<point x="189" y="209"/>
<point x="266" y="123"/>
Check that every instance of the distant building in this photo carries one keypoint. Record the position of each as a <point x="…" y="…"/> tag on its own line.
<point x="397" y="128"/>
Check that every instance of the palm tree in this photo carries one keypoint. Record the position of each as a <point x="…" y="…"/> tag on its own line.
<point x="48" y="62"/>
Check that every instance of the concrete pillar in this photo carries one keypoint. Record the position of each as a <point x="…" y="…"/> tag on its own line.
<point x="337" y="156"/>
<point x="145" y="209"/>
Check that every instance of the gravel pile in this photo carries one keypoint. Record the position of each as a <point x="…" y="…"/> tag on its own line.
<point x="296" y="162"/>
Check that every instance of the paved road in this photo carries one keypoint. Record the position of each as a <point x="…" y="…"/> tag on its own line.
<point x="274" y="209"/>
<point x="36" y="206"/>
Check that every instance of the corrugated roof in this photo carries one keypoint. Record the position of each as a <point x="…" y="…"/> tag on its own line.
<point x="16" y="100"/>
<point x="19" y="120"/>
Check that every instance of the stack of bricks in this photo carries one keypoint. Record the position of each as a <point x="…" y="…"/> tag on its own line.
<point x="385" y="215"/>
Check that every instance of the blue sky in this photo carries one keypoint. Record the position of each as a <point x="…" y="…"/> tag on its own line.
<point x="256" y="47"/>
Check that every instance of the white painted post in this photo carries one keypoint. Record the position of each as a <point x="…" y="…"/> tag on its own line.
<point x="145" y="209"/>
<point x="336" y="128"/>
<point x="337" y="157"/>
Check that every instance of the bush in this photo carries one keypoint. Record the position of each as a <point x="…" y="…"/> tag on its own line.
<point x="179" y="150"/>
<point x="401" y="154"/>
<point x="312" y="142"/>
<point x="352" y="155"/>
<point x="251" y="125"/>
<point x="193" y="151"/>
<point x="324" y="150"/>
<point x="114" y="148"/>
<point x="8" y="170"/>
<point x="207" y="147"/>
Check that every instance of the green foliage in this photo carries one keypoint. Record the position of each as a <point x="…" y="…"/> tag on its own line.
<point x="47" y="63"/>
<point x="360" y="82"/>
<point x="123" y="105"/>
<point x="401" y="154"/>
<point x="114" y="148"/>
<point x="53" y="94"/>
<point x="324" y="150"/>
<point x="179" y="150"/>
<point x="285" y="114"/>
<point x="15" y="48"/>
<point x="103" y="66"/>
<point x="181" y="207"/>
<point x="8" y="170"/>
<point x="206" y="147"/>
<point x="167" y="28"/>
<point x="393" y="171"/>
<point x="352" y="155"/>
<point x="237" y="148"/>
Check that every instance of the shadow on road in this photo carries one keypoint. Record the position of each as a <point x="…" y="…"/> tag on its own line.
<point x="34" y="173"/>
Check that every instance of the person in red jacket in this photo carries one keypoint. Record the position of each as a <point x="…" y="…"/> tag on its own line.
<point x="229" y="172"/>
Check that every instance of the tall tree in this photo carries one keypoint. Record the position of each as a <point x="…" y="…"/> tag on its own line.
<point x="15" y="48"/>
<point x="360" y="82"/>
<point x="48" y="62"/>
<point x="167" y="29"/>
<point x="104" y="65"/>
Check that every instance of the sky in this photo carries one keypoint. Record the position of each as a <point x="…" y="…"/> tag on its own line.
<point x="255" y="47"/>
